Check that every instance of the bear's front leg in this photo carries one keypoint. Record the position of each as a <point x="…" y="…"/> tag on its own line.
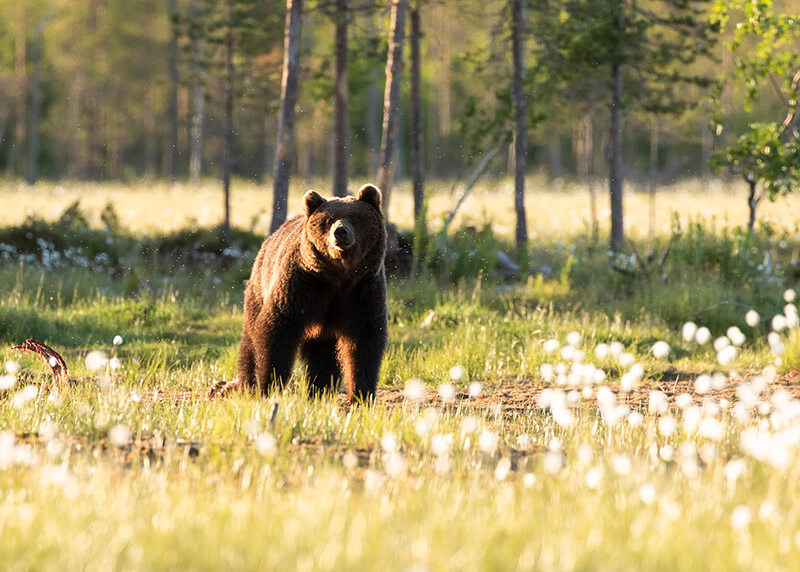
<point x="363" y="342"/>
<point x="274" y="343"/>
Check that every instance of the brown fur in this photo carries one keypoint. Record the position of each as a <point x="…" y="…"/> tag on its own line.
<point x="318" y="288"/>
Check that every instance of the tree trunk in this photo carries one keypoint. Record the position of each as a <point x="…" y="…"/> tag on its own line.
<point x="171" y="132"/>
<point x="521" y="129"/>
<point x="391" y="101"/>
<point x="32" y="172"/>
<point x="653" y="172"/>
<point x="444" y="98"/>
<point x="585" y="160"/>
<point x="752" y="202"/>
<point x="615" y="157"/>
<point x="227" y="148"/>
<point x="149" y="133"/>
<point x="417" y="156"/>
<point x="554" y="154"/>
<point x="17" y="162"/>
<point x="197" y="16"/>
<point x="96" y="146"/>
<point x="72" y="154"/>
<point x="289" y="82"/>
<point x="341" y="145"/>
<point x="196" y="136"/>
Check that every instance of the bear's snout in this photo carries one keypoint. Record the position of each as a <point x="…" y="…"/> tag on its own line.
<point x="342" y="236"/>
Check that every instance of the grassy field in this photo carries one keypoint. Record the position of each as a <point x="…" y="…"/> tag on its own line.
<point x="579" y="419"/>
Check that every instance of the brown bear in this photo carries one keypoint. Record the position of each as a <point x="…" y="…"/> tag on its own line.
<point x="318" y="288"/>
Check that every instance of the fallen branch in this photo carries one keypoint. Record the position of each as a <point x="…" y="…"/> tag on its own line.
<point x="643" y="266"/>
<point x="473" y="178"/>
<point x="51" y="357"/>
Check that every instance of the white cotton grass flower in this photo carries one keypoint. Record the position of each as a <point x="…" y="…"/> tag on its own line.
<point x="647" y="493"/>
<point x="529" y="480"/>
<point x="7" y="382"/>
<point x="792" y="319"/>
<point x="350" y="460"/>
<point x="574" y="339"/>
<point x="547" y="371"/>
<point x="117" y="340"/>
<point x="553" y="462"/>
<point x="712" y="428"/>
<point x="702" y="336"/>
<point x="683" y="400"/>
<point x="414" y="390"/>
<point x="657" y="402"/>
<point x="702" y="384"/>
<point x="457" y="372"/>
<point x="24" y="396"/>
<point x="667" y="425"/>
<point x="688" y="331"/>
<point x="752" y="318"/>
<point x="601" y="351"/>
<point x="622" y="464"/>
<point x="627" y="382"/>
<point x="487" y="441"/>
<point x="524" y="440"/>
<point x="447" y="392"/>
<point x="422" y="426"/>
<point x="114" y="363"/>
<point x="727" y="355"/>
<point x="736" y="336"/>
<point x="594" y="477"/>
<point x="119" y="435"/>
<point x="626" y="360"/>
<point x="660" y="349"/>
<point x="720" y="343"/>
<point x="475" y="388"/>
<point x="789" y="295"/>
<point x="778" y="322"/>
<point x="635" y="419"/>
<point x="615" y="349"/>
<point x="502" y="469"/>
<point x="394" y="464"/>
<point x="389" y="442"/>
<point x="12" y="367"/>
<point x="551" y="345"/>
<point x="267" y="446"/>
<point x="741" y="517"/>
<point x="96" y="360"/>
<point x="441" y="444"/>
<point x="718" y="380"/>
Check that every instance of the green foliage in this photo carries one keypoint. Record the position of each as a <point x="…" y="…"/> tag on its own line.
<point x="766" y="44"/>
<point x="656" y="44"/>
<point x="760" y="155"/>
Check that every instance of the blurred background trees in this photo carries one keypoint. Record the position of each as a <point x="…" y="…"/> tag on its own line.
<point x="179" y="89"/>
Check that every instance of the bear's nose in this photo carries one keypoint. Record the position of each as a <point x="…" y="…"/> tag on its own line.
<point x="342" y="236"/>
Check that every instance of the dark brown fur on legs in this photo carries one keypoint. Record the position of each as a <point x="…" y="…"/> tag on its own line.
<point x="318" y="288"/>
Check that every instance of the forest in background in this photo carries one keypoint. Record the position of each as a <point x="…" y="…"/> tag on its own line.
<point x="99" y="90"/>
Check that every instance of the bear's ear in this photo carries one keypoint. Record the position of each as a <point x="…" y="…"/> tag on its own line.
<point x="313" y="200"/>
<point x="370" y="194"/>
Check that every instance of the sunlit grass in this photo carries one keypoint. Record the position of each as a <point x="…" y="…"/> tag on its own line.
<point x="587" y="426"/>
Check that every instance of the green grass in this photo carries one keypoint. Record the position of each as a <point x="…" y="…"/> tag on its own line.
<point x="99" y="475"/>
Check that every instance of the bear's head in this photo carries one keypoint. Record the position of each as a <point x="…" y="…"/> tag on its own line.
<point x="348" y="233"/>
